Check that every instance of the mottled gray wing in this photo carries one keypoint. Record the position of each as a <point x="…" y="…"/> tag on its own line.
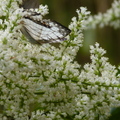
<point x="44" y="31"/>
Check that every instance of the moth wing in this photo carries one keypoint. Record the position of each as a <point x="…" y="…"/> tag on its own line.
<point x="44" y="31"/>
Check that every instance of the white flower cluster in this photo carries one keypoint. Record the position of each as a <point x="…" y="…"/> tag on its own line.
<point x="99" y="87"/>
<point x="44" y="82"/>
<point x="111" y="17"/>
<point x="75" y="39"/>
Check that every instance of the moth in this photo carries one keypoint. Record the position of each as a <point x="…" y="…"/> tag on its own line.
<point x="43" y="31"/>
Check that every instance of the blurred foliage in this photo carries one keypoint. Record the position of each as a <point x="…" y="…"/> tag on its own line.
<point x="115" y="114"/>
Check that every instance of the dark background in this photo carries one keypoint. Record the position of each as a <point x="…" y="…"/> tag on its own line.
<point x="63" y="10"/>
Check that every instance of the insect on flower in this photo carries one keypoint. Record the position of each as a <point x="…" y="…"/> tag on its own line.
<point x="40" y="31"/>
